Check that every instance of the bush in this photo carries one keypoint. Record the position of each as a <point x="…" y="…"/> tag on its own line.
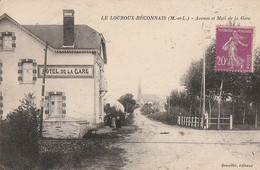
<point x="128" y="102"/>
<point x="126" y="119"/>
<point x="148" y="109"/>
<point x="19" y="135"/>
<point x="166" y="117"/>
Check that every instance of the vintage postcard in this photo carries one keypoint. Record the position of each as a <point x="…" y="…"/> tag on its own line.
<point x="129" y="84"/>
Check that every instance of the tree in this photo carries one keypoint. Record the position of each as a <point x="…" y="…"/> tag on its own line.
<point x="19" y="135"/>
<point x="147" y="109"/>
<point x="128" y="102"/>
<point x="254" y="88"/>
<point x="240" y="88"/>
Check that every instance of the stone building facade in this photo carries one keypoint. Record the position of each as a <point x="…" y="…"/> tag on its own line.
<point x="75" y="81"/>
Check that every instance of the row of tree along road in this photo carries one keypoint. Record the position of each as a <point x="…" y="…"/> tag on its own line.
<point x="240" y="94"/>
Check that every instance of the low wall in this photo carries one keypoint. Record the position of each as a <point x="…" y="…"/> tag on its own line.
<point x="65" y="129"/>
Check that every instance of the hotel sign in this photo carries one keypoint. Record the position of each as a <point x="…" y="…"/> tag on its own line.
<point x="66" y="71"/>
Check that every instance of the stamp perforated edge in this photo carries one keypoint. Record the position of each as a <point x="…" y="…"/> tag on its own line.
<point x="252" y="50"/>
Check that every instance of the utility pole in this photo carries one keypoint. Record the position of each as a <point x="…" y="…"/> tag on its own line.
<point x="43" y="88"/>
<point x="169" y="105"/>
<point x="204" y="85"/>
<point x="219" y="102"/>
<point x="205" y="36"/>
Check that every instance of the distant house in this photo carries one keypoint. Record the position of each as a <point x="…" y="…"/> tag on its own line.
<point x="75" y="82"/>
<point x="158" y="101"/>
<point x="113" y="102"/>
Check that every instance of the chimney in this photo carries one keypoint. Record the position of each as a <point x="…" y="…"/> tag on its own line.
<point x="68" y="28"/>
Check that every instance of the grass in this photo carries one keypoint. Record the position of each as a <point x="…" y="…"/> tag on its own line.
<point x="96" y="151"/>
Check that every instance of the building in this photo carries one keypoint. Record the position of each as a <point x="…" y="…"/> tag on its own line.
<point x="75" y="82"/>
<point x="113" y="102"/>
<point x="158" y="101"/>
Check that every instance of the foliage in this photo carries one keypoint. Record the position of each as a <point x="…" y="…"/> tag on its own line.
<point x="166" y="117"/>
<point x="180" y="99"/>
<point x="19" y="135"/>
<point x="113" y="112"/>
<point x="128" y="102"/>
<point x="241" y="89"/>
<point x="148" y="109"/>
<point x="125" y="118"/>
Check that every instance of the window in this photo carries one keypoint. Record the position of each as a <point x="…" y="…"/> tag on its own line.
<point x="7" y="42"/>
<point x="56" y="106"/>
<point x="27" y="71"/>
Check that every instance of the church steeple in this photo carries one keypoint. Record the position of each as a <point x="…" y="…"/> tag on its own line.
<point x="139" y="94"/>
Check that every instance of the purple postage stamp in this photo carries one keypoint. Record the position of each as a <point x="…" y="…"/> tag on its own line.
<point x="234" y="49"/>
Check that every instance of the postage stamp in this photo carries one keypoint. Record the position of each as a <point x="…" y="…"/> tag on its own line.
<point x="234" y="49"/>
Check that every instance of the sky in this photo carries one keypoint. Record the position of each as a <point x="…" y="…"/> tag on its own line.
<point x="154" y="53"/>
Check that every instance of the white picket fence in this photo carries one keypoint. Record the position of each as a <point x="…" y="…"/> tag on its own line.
<point x="204" y="122"/>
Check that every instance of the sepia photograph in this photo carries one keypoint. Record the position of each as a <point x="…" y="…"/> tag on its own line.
<point x="129" y="84"/>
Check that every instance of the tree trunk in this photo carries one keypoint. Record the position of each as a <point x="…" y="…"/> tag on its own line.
<point x="209" y="109"/>
<point x="256" y="119"/>
<point x="244" y="114"/>
<point x="190" y="109"/>
<point x="257" y="106"/>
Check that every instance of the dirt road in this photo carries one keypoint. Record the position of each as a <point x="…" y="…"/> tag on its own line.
<point x="159" y="146"/>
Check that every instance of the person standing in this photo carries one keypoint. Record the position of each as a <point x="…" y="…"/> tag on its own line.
<point x="113" y="122"/>
<point x="118" y="122"/>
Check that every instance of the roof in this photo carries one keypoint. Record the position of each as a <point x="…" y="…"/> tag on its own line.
<point x="114" y="102"/>
<point x="153" y="98"/>
<point x="85" y="38"/>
